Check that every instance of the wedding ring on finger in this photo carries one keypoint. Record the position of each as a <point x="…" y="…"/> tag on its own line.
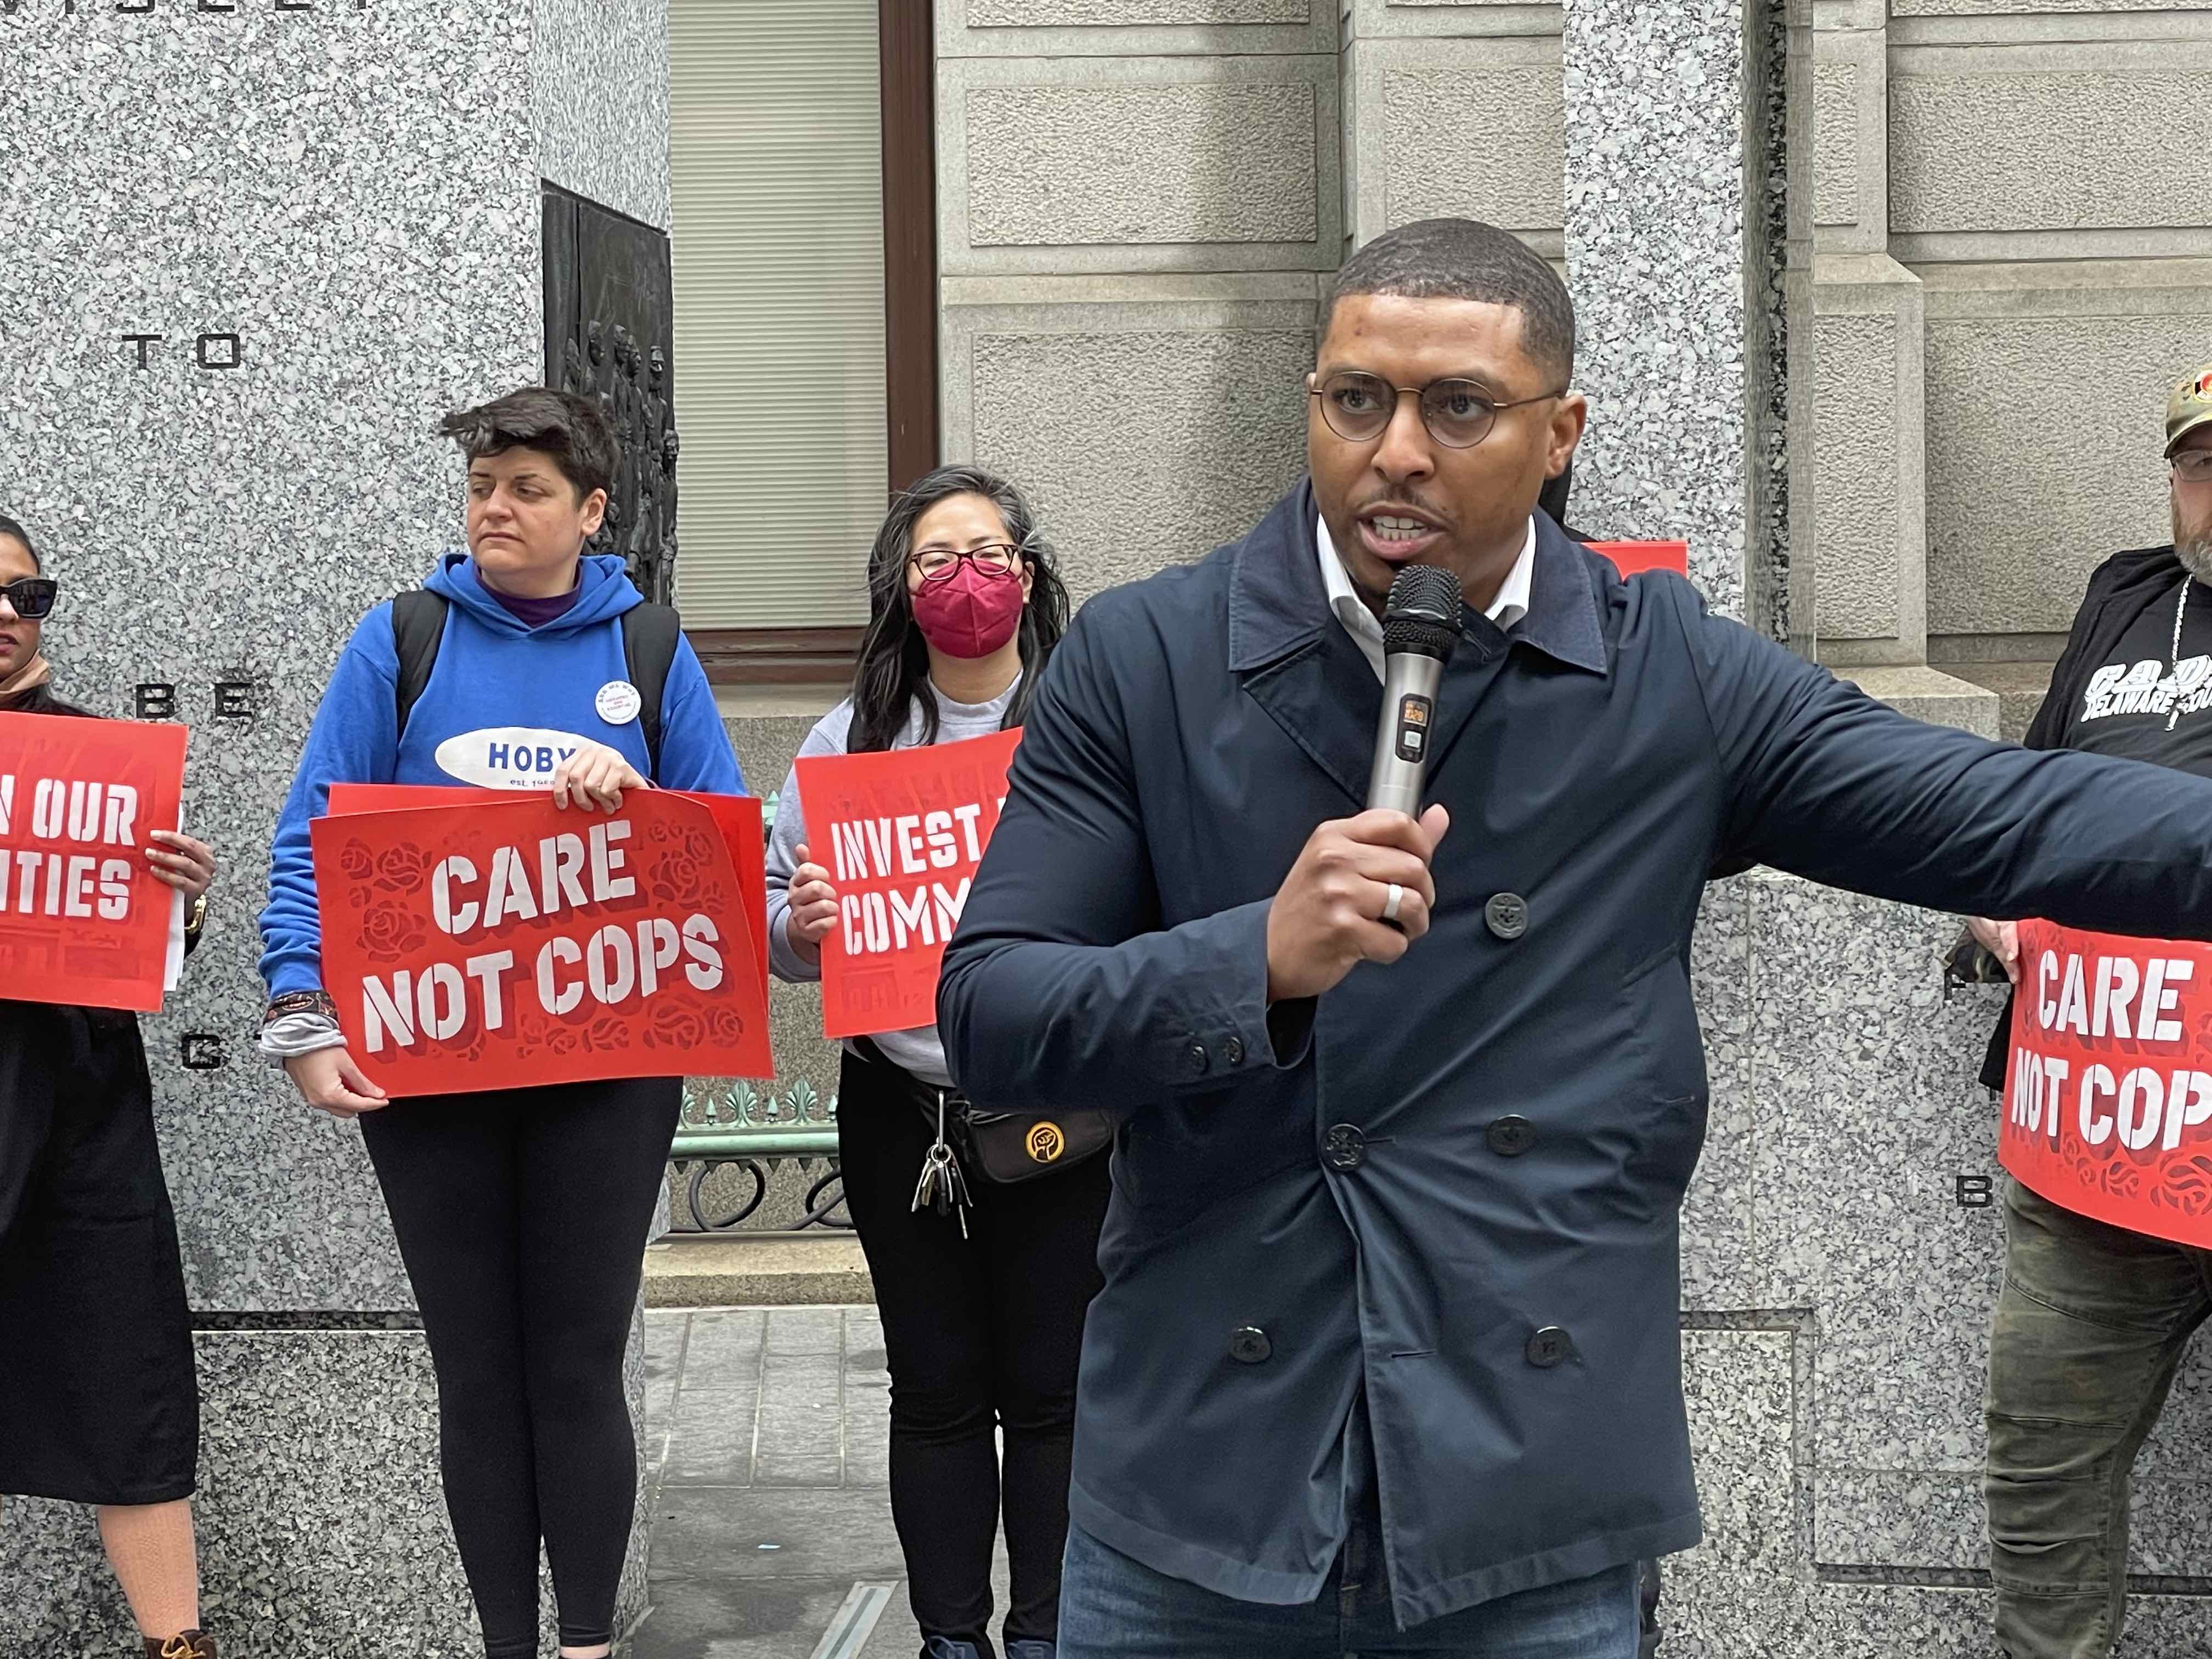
<point x="1390" y="902"/>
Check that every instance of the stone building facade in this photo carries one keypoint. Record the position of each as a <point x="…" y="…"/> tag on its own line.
<point x="1879" y="305"/>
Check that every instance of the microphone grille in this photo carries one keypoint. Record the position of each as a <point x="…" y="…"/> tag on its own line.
<point x="1422" y="612"/>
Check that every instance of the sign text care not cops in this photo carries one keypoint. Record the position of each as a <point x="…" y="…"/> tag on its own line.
<point x="496" y="945"/>
<point x="2108" y="1097"/>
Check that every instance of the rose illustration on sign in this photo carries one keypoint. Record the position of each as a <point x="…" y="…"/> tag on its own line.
<point x="387" y="934"/>
<point x="403" y="869"/>
<point x="672" y="1025"/>
<point x="2189" y="1186"/>
<point x="679" y="879"/>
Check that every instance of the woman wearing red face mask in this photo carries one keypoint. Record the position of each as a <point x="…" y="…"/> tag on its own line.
<point x="982" y="1310"/>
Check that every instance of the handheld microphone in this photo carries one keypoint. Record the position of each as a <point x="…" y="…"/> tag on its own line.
<point x="1420" y="625"/>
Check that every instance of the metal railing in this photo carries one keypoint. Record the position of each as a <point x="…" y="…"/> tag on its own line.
<point x="735" y="1124"/>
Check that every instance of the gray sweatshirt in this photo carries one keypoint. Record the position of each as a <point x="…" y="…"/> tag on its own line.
<point x="919" y="1051"/>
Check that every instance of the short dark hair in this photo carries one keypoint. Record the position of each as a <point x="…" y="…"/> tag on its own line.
<point x="1466" y="260"/>
<point x="9" y="527"/>
<point x="569" y="428"/>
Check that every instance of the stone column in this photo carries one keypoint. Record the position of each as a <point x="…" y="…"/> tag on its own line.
<point x="248" y="255"/>
<point x="1667" y="246"/>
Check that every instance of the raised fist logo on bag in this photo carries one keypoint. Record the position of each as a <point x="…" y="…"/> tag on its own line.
<point x="1045" y="1143"/>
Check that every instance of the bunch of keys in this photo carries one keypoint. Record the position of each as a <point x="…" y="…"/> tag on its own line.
<point x="942" y="1187"/>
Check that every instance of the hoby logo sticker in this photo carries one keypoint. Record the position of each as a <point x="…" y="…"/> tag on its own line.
<point x="507" y="757"/>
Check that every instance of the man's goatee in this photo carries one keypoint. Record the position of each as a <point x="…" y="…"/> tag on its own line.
<point x="2195" y="553"/>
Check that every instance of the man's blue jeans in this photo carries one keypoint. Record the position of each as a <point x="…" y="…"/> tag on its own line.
<point x="1113" y="1608"/>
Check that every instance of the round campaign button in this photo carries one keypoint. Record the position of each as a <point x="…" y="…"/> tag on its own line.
<point x="618" y="702"/>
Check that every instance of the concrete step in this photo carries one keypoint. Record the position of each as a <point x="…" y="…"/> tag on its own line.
<point x="758" y="1270"/>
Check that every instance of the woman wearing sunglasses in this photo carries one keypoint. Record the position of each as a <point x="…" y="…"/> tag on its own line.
<point x="982" y="1310"/>
<point x="98" y="1403"/>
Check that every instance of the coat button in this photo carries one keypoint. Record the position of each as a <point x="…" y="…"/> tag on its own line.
<point x="1507" y="915"/>
<point x="1548" y="1348"/>
<point x="1345" y="1147"/>
<point x="1233" y="1051"/>
<point x="1512" y="1136"/>
<point x="1250" y="1346"/>
<point x="1195" y="1054"/>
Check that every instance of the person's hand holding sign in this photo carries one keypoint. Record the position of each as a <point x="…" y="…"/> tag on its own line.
<point x="595" y="776"/>
<point x="813" y="908"/>
<point x="2002" y="940"/>
<point x="328" y="1081"/>
<point x="185" y="864"/>
<point x="1335" y="909"/>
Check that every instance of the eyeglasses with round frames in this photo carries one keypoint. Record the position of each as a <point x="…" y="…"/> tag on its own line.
<point x="1458" y="413"/>
<point x="936" y="564"/>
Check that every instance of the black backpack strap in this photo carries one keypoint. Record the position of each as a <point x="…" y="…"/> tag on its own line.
<point x="650" y="635"/>
<point x="418" y="624"/>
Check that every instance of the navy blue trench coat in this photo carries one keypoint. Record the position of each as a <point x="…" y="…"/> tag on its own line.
<point x="1452" y="1184"/>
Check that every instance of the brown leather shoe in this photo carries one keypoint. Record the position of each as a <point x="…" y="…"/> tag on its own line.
<point x="189" y="1644"/>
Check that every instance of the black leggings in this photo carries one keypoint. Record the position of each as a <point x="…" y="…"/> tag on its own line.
<point x="522" y="1217"/>
<point x="981" y="1332"/>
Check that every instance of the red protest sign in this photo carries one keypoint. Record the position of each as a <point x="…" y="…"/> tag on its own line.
<point x="83" y="918"/>
<point x="1630" y="558"/>
<point x="900" y="833"/>
<point x="738" y="816"/>
<point x="2108" y="1097"/>
<point x="500" y="945"/>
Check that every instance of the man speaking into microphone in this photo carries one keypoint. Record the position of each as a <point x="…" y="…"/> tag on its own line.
<point x="1388" y="1358"/>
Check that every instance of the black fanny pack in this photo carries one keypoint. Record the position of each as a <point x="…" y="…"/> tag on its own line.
<point x="1001" y="1146"/>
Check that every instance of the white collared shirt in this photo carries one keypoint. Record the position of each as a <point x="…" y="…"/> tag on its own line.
<point x="1508" y="608"/>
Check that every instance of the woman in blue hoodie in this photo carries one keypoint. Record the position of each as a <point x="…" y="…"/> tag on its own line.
<point x="522" y="1214"/>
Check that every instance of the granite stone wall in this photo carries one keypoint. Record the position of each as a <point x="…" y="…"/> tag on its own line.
<point x="247" y="258"/>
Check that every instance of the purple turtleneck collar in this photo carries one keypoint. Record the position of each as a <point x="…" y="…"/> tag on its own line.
<point x="536" y="613"/>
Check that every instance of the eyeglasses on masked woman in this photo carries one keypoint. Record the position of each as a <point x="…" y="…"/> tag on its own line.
<point x="936" y="564"/>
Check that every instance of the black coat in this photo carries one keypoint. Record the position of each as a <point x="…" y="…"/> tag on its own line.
<point x="1452" y="1184"/>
